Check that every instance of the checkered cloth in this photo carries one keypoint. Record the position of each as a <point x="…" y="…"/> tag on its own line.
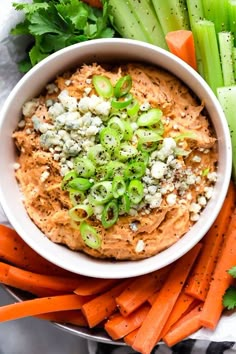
<point x="189" y="346"/>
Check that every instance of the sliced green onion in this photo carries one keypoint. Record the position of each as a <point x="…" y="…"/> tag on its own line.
<point x="118" y="125"/>
<point x="126" y="151"/>
<point x="67" y="178"/>
<point x="102" y="86"/>
<point x="115" y="168"/>
<point x="124" y="204"/>
<point x="98" y="155"/>
<point x="143" y="157"/>
<point x="100" y="193"/>
<point x="76" y="197"/>
<point x="122" y="103"/>
<point x="118" y="186"/>
<point x="133" y="108"/>
<point x="135" y="170"/>
<point x="103" y="173"/>
<point x="110" y="214"/>
<point x="135" y="191"/>
<point x="84" y="167"/>
<point x="123" y="86"/>
<point x="90" y="235"/>
<point x="80" y="184"/>
<point x="80" y="212"/>
<point x="185" y="135"/>
<point x="148" y="135"/>
<point x="151" y="117"/>
<point x="109" y="139"/>
<point x="128" y="131"/>
<point x="147" y="147"/>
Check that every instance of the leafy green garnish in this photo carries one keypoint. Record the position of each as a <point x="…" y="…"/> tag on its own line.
<point x="229" y="298"/>
<point x="232" y="271"/>
<point x="205" y="171"/>
<point x="56" y="24"/>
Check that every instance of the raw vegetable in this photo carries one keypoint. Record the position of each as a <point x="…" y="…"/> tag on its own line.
<point x="150" y="331"/>
<point x="181" y="43"/>
<point x="59" y="23"/>
<point x="93" y="286"/>
<point x="226" y="55"/>
<point x="199" y="281"/>
<point x="187" y="325"/>
<point x="221" y="280"/>
<point x="74" y="317"/>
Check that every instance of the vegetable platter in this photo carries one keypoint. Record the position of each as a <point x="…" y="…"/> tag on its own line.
<point x="123" y="311"/>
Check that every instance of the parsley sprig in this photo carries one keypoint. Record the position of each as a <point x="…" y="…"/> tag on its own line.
<point x="56" y="24"/>
<point x="229" y="299"/>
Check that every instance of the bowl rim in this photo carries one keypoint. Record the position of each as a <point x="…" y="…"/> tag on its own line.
<point x="138" y="267"/>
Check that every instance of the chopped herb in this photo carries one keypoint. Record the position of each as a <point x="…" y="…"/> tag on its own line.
<point x="229" y="299"/>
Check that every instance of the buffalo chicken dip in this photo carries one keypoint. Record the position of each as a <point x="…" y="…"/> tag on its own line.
<point x="115" y="161"/>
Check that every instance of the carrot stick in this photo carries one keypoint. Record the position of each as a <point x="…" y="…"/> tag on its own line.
<point x="151" y="299"/>
<point x="187" y="325"/>
<point x="221" y="280"/>
<point x="119" y="326"/>
<point x="130" y="338"/>
<point x="103" y="305"/>
<point x="199" y="281"/>
<point x="91" y="286"/>
<point x="150" y="331"/>
<point x="15" y="251"/>
<point x="182" y="305"/>
<point x="181" y="43"/>
<point x="71" y="316"/>
<point x="23" y="279"/>
<point x="39" y="306"/>
<point x="140" y="289"/>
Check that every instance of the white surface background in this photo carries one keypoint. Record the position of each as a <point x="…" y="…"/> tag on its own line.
<point x="31" y="336"/>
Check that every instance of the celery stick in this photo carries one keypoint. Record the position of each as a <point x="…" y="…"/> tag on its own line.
<point x="226" y="97"/>
<point x="124" y="20"/>
<point x="217" y="12"/>
<point x="234" y="62"/>
<point x="208" y="48"/>
<point x="146" y="16"/>
<point x="172" y="14"/>
<point x="195" y="13"/>
<point x="232" y="16"/>
<point x="226" y="55"/>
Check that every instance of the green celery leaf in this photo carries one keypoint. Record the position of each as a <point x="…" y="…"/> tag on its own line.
<point x="24" y="65"/>
<point x="21" y="28"/>
<point x="232" y="271"/>
<point x="36" y="55"/>
<point x="107" y="33"/>
<point x="50" y="43"/>
<point x="74" y="11"/>
<point x="30" y="8"/>
<point x="229" y="299"/>
<point x="46" y="22"/>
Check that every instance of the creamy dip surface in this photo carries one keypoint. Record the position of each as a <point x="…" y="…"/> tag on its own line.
<point x="64" y="122"/>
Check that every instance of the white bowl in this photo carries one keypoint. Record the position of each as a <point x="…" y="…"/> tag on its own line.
<point x="31" y="85"/>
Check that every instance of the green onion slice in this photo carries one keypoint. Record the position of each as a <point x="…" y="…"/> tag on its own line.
<point x="76" y="197"/>
<point x="110" y="214"/>
<point x="102" y="86"/>
<point x="133" y="108"/>
<point x="67" y="178"/>
<point x="118" y="186"/>
<point x="90" y="235"/>
<point x="151" y="117"/>
<point x="115" y="168"/>
<point x="148" y="135"/>
<point x="123" y="86"/>
<point x="135" y="191"/>
<point x="109" y="139"/>
<point x="126" y="151"/>
<point x="100" y="193"/>
<point x="124" y="204"/>
<point x="118" y="125"/>
<point x="135" y="170"/>
<point x="80" y="212"/>
<point x="84" y="167"/>
<point x="80" y="184"/>
<point x="143" y="157"/>
<point x="121" y="103"/>
<point x="128" y="131"/>
<point x="98" y="155"/>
